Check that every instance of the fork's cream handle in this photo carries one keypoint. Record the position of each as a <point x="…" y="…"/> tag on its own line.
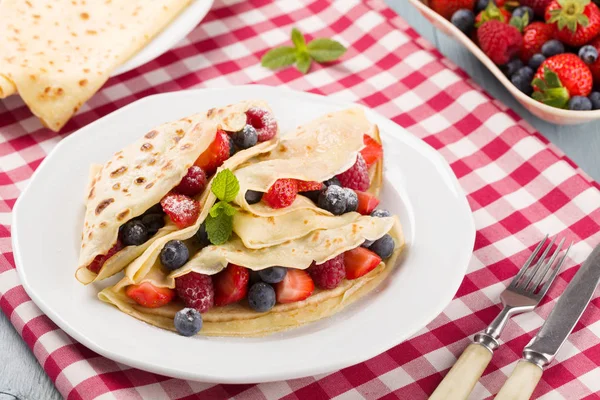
<point x="465" y="373"/>
<point x="521" y="383"/>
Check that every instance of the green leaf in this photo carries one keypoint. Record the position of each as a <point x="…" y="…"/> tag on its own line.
<point x="225" y="185"/>
<point x="219" y="228"/>
<point x="520" y="22"/>
<point x="303" y="62"/>
<point x="540" y="84"/>
<point x="298" y="40"/>
<point x="279" y="57"/>
<point x="228" y="209"/>
<point x="325" y="50"/>
<point x="551" y="78"/>
<point x="216" y="209"/>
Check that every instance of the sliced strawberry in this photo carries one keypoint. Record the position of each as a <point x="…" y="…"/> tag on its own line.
<point x="281" y="194"/>
<point x="308" y="186"/>
<point x="148" y="295"/>
<point x="296" y="286"/>
<point x="373" y="150"/>
<point x="193" y="183"/>
<point x="360" y="261"/>
<point x="231" y="284"/>
<point x="182" y="210"/>
<point x="366" y="202"/>
<point x="100" y="259"/>
<point x="216" y="154"/>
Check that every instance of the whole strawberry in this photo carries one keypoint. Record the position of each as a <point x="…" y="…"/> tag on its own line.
<point x="577" y="21"/>
<point x="534" y="36"/>
<point x="561" y="77"/>
<point x="499" y="41"/>
<point x="595" y="66"/>
<point x="448" y="7"/>
<point x="538" y="6"/>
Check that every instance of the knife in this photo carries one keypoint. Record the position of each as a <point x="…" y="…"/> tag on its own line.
<point x="542" y="349"/>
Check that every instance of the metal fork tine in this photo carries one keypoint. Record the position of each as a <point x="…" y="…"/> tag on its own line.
<point x="513" y="283"/>
<point x="537" y="279"/>
<point x="536" y="267"/>
<point x="555" y="272"/>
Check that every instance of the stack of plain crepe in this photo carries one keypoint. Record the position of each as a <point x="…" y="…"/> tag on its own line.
<point x="292" y="237"/>
<point x="57" y="53"/>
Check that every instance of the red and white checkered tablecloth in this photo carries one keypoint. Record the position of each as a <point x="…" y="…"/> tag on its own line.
<point x="518" y="185"/>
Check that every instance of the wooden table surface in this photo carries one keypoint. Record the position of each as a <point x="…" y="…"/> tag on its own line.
<point x="22" y="377"/>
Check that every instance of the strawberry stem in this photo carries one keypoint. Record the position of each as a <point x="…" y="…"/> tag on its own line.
<point x="550" y="90"/>
<point x="570" y="14"/>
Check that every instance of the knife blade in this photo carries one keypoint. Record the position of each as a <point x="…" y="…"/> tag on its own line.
<point x="542" y="349"/>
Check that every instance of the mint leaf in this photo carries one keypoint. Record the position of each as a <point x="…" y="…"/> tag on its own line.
<point x="219" y="228"/>
<point x="225" y="185"/>
<point x="298" y="40"/>
<point x="279" y="57"/>
<point x="228" y="209"/>
<point x="216" y="209"/>
<point x="325" y="50"/>
<point x="303" y="62"/>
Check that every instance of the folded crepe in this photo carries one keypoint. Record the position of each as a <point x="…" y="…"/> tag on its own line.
<point x="57" y="53"/>
<point x="136" y="178"/>
<point x="292" y="237"/>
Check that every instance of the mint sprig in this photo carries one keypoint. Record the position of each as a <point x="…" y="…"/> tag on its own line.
<point x="219" y="222"/>
<point x="302" y="54"/>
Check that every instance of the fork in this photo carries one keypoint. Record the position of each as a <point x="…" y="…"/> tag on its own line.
<point x="521" y="295"/>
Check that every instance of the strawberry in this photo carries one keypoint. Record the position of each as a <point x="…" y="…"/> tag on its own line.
<point x="492" y="13"/>
<point x="196" y="290"/>
<point x="366" y="202"/>
<point x="357" y="176"/>
<point x="282" y="193"/>
<point x="534" y="36"/>
<point x="263" y="121"/>
<point x="360" y="261"/>
<point x="182" y="210"/>
<point x="308" y="186"/>
<point x="218" y="151"/>
<point x="231" y="284"/>
<point x="148" y="295"/>
<point x="193" y="182"/>
<point x="373" y="150"/>
<point x="595" y="66"/>
<point x="500" y="42"/>
<point x="538" y="6"/>
<point x="100" y="259"/>
<point x="577" y="21"/>
<point x="448" y="7"/>
<point x="561" y="77"/>
<point x="296" y="286"/>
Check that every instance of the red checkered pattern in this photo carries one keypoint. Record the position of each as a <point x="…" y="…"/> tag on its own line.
<point x="518" y="185"/>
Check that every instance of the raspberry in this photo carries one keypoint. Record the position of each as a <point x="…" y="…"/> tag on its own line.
<point x="282" y="193"/>
<point x="182" y="210"/>
<point x="308" y="186"/>
<point x="96" y="265"/>
<point x="357" y="177"/>
<point x="263" y="121"/>
<point x="499" y="41"/>
<point x="329" y="274"/>
<point x="193" y="182"/>
<point x="196" y="290"/>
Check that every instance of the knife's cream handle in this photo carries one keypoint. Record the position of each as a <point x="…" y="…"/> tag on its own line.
<point x="465" y="373"/>
<point x="521" y="383"/>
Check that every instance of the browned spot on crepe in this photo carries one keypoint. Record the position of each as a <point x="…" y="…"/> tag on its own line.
<point x="103" y="204"/>
<point x="186" y="146"/>
<point x="118" y="172"/>
<point x="122" y="214"/>
<point x="140" y="180"/>
<point x="91" y="193"/>
<point x="151" y="134"/>
<point x="84" y="15"/>
<point x="83" y="82"/>
<point x="148" y="186"/>
<point x="102" y="224"/>
<point x="210" y="112"/>
<point x="117" y="186"/>
<point x="315" y="236"/>
<point x="146" y="147"/>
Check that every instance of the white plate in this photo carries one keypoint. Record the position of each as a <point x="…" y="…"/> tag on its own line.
<point x="419" y="187"/>
<point x="173" y="33"/>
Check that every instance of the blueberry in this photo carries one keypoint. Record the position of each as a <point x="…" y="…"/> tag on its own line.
<point x="333" y="199"/>
<point x="580" y="103"/>
<point x="351" y="200"/>
<point x="367" y="243"/>
<point x="481" y="5"/>
<point x="595" y="99"/>
<point x="380" y="213"/>
<point x="202" y="236"/>
<point x="155" y="209"/>
<point x="231" y="146"/>
<point x="245" y="138"/>
<point x="552" y="48"/>
<point x="188" y="321"/>
<point x="512" y="66"/>
<point x="272" y="274"/>
<point x="332" y="181"/>
<point x="526" y="72"/>
<point x="464" y="20"/>
<point x="134" y="233"/>
<point x="536" y="60"/>
<point x="153" y="222"/>
<point x="174" y="254"/>
<point x="522" y="82"/>
<point x="383" y="247"/>
<point x="253" y="197"/>
<point x="588" y="54"/>
<point x="521" y="11"/>
<point x="261" y="297"/>
<point x="254" y="277"/>
<point x="313" y="195"/>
